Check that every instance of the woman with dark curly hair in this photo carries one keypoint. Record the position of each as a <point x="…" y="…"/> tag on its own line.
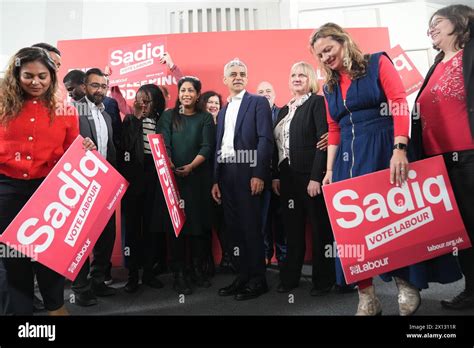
<point x="142" y="209"/>
<point x="35" y="132"/>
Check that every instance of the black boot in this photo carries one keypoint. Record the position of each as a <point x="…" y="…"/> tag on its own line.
<point x="132" y="283"/>
<point x="199" y="277"/>
<point x="181" y="284"/>
<point x="151" y="280"/>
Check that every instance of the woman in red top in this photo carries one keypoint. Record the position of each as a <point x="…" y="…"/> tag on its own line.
<point x="446" y="106"/>
<point x="34" y="134"/>
<point x="364" y="139"/>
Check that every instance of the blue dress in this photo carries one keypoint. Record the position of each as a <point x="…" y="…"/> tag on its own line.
<point x="366" y="147"/>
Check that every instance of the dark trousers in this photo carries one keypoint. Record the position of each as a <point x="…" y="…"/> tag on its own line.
<point x="243" y="218"/>
<point x="460" y="166"/>
<point x="274" y="235"/>
<point x="197" y="245"/>
<point x="143" y="209"/>
<point x="17" y="273"/>
<point x="218" y="224"/>
<point x="93" y="273"/>
<point x="297" y="207"/>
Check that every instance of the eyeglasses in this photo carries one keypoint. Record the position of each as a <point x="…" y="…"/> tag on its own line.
<point x="435" y="24"/>
<point x="98" y="85"/>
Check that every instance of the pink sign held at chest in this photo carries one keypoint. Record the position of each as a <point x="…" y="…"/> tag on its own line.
<point x="61" y="222"/>
<point x="167" y="181"/>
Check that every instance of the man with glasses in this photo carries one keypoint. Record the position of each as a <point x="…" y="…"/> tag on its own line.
<point x="96" y="123"/>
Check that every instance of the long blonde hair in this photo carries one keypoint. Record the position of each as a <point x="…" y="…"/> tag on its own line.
<point x="13" y="96"/>
<point x="355" y="62"/>
<point x="308" y="70"/>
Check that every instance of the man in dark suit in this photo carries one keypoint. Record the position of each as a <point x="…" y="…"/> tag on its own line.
<point x="242" y="168"/>
<point x="76" y="88"/>
<point x="96" y="124"/>
<point x="74" y="81"/>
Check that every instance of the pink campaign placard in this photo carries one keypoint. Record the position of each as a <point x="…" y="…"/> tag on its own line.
<point x="379" y="227"/>
<point x="167" y="181"/>
<point x="411" y="77"/>
<point x="137" y="61"/>
<point x="61" y="222"/>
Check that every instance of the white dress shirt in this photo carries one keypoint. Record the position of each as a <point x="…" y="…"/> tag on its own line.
<point x="100" y="127"/>
<point x="227" y="147"/>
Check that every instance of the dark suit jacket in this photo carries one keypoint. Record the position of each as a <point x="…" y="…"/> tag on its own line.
<point x="307" y="126"/>
<point x="253" y="131"/>
<point x="87" y="128"/>
<point x="112" y="108"/>
<point x="132" y="143"/>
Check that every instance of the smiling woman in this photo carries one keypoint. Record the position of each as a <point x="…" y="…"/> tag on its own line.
<point x="446" y="107"/>
<point x="188" y="132"/>
<point x="33" y="137"/>
<point x="362" y="142"/>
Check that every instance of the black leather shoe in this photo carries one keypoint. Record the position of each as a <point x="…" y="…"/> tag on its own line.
<point x="283" y="288"/>
<point x="132" y="285"/>
<point x="320" y="291"/>
<point x="86" y="299"/>
<point x="232" y="289"/>
<point x="249" y="292"/>
<point x="464" y="300"/>
<point x="102" y="290"/>
<point x="152" y="282"/>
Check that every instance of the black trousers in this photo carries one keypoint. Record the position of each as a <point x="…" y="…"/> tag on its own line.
<point x="297" y="207"/>
<point x="143" y="209"/>
<point x="179" y="247"/>
<point x="460" y="166"/>
<point x="218" y="224"/>
<point x="93" y="273"/>
<point x="17" y="273"/>
<point x="243" y="218"/>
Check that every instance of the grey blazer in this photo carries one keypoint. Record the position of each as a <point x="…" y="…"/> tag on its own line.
<point x="87" y="128"/>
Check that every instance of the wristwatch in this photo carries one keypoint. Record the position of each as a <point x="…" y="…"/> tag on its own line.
<point x="400" y="146"/>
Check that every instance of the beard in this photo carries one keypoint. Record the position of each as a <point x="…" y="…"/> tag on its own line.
<point x="96" y="98"/>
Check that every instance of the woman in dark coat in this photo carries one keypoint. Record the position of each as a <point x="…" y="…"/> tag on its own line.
<point x="142" y="205"/>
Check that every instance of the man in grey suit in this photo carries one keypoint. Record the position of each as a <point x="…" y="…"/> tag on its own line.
<point x="96" y="124"/>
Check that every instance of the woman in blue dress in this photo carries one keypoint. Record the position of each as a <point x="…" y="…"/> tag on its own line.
<point x="363" y="140"/>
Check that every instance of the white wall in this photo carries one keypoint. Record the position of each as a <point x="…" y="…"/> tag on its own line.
<point x="25" y="22"/>
<point x="406" y="22"/>
<point x="22" y="24"/>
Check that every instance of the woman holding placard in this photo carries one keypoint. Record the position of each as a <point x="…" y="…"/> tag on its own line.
<point x="34" y="134"/>
<point x="362" y="140"/>
<point x="189" y="136"/>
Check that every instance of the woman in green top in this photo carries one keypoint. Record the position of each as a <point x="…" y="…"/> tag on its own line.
<point x="188" y="132"/>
